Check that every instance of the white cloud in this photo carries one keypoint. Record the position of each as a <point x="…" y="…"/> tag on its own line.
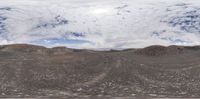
<point x="104" y="23"/>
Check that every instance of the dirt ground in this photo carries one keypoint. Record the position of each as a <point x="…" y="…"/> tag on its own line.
<point x="29" y="71"/>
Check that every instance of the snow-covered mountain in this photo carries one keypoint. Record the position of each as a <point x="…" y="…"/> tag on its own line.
<point x="100" y="23"/>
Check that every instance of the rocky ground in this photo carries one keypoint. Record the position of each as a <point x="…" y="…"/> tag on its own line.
<point x="155" y="71"/>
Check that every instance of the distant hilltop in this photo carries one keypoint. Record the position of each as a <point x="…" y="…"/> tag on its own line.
<point x="154" y="50"/>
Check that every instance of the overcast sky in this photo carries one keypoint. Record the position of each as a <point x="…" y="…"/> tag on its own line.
<point x="99" y="23"/>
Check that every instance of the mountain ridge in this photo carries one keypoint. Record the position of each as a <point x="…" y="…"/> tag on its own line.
<point x="154" y="50"/>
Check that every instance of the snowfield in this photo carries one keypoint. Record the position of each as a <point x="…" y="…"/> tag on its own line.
<point x="97" y="24"/>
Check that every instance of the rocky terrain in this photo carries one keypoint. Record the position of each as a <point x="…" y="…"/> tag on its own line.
<point x="155" y="71"/>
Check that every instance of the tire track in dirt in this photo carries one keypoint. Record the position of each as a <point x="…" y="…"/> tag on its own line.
<point x="101" y="76"/>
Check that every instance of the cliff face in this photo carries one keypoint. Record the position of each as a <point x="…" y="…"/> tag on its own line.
<point x="156" y="71"/>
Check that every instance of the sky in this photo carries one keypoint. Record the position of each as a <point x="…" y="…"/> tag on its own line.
<point x="100" y="24"/>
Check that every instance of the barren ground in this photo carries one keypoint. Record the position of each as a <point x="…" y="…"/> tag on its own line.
<point x="29" y="71"/>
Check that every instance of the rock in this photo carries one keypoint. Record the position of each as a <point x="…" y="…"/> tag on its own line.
<point x="80" y="89"/>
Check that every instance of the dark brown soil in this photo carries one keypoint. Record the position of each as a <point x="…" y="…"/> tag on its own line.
<point x="156" y="71"/>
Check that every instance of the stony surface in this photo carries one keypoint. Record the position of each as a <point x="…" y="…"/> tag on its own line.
<point x="156" y="71"/>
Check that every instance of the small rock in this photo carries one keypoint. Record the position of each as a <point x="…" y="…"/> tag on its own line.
<point x="80" y="89"/>
<point x="100" y="95"/>
<point x="65" y="93"/>
<point x="125" y="89"/>
<point x="153" y="95"/>
<point x="3" y="94"/>
<point x="183" y="93"/>
<point x="133" y="94"/>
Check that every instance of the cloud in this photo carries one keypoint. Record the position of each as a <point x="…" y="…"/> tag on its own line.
<point x="98" y="24"/>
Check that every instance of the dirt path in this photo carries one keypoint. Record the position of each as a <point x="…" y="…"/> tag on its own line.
<point x="101" y="76"/>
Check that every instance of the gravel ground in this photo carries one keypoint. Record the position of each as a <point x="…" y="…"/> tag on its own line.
<point x="28" y="71"/>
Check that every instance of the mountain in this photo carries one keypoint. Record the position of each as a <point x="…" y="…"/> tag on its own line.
<point x="155" y="71"/>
